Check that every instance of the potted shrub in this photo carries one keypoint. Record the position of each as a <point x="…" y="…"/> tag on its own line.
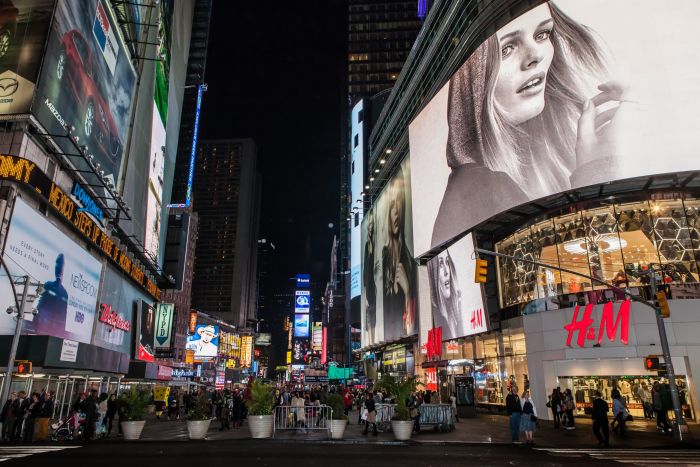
<point x="199" y="417"/>
<point x="338" y="418"/>
<point x="401" y="423"/>
<point x="260" y="406"/>
<point x="133" y="408"/>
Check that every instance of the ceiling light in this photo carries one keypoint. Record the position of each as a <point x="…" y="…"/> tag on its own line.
<point x="366" y="187"/>
<point x="371" y="179"/>
<point x="376" y="171"/>
<point x="388" y="151"/>
<point x="382" y="161"/>
<point x="607" y="243"/>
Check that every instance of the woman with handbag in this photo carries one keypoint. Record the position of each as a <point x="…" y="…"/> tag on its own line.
<point x="620" y="415"/>
<point x="528" y="419"/>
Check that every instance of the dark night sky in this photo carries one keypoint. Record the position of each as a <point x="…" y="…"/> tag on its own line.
<point x="275" y="74"/>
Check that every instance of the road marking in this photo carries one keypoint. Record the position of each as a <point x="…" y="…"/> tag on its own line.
<point x="634" y="456"/>
<point x="15" y="452"/>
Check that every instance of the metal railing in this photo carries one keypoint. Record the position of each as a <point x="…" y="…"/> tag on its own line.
<point x="303" y="419"/>
<point x="440" y="415"/>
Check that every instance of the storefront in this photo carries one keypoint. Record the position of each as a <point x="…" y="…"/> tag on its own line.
<point x="398" y="361"/>
<point x="603" y="347"/>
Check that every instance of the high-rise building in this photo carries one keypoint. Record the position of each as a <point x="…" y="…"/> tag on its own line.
<point x="227" y="194"/>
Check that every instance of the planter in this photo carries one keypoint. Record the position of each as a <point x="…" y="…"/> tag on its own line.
<point x="197" y="429"/>
<point x="260" y="426"/>
<point x="132" y="430"/>
<point x="403" y="429"/>
<point x="338" y="428"/>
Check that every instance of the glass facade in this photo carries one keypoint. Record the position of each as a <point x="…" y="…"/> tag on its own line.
<point x="614" y="243"/>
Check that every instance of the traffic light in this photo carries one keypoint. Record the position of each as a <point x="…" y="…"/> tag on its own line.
<point x="664" y="310"/>
<point x="480" y="271"/>
<point x="24" y="368"/>
<point x="652" y="363"/>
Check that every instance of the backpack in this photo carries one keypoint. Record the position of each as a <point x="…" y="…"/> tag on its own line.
<point x="527" y="408"/>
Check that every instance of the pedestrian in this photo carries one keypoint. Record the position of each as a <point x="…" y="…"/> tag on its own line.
<point x="7" y="419"/>
<point x="226" y="404"/>
<point x="30" y="416"/>
<point x="371" y="414"/>
<point x="644" y="394"/>
<point x="19" y="409"/>
<point x="515" y="410"/>
<point x="237" y="409"/>
<point x="555" y="405"/>
<point x="620" y="414"/>
<point x="600" y="421"/>
<point x="173" y="408"/>
<point x="528" y="419"/>
<point x="112" y="407"/>
<point x="89" y="408"/>
<point x="662" y="405"/>
<point x="347" y="402"/>
<point x="569" y="405"/>
<point x="453" y="403"/>
<point x="414" y="412"/>
<point x="41" y="429"/>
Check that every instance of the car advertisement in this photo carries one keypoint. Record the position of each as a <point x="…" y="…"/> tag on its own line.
<point x="87" y="83"/>
<point x="204" y="342"/>
<point x="64" y="278"/>
<point x="24" y="25"/>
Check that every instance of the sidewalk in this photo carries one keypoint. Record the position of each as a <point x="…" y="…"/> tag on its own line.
<point x="484" y="429"/>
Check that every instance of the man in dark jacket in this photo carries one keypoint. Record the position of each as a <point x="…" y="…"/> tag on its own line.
<point x="515" y="411"/>
<point x="7" y="418"/>
<point x="19" y="408"/>
<point x="89" y="408"/>
<point x="600" y="421"/>
<point x="371" y="414"/>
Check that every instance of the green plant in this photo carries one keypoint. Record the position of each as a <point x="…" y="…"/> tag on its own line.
<point x="134" y="404"/>
<point x="402" y="390"/>
<point x="201" y="409"/>
<point x="335" y="401"/>
<point x="262" y="400"/>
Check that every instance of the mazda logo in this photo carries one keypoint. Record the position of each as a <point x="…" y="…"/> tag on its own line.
<point x="8" y="86"/>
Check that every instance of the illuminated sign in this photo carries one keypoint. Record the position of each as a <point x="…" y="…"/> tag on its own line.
<point x="324" y="346"/>
<point x="607" y="325"/>
<point x="193" y="150"/>
<point x="246" y="351"/>
<point x="431" y="379"/>
<point x="289" y="357"/>
<point x="301" y="325"/>
<point x="302" y="301"/>
<point x="183" y="373"/>
<point x="88" y="204"/>
<point x="434" y="344"/>
<point x="303" y="281"/>
<point x="193" y="321"/>
<point x="317" y="337"/>
<point x="164" y="324"/>
<point x="111" y="318"/>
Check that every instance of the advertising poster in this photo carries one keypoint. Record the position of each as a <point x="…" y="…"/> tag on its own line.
<point x="389" y="272"/>
<point x="115" y="314"/>
<point x="246" y="351"/>
<point x="164" y="325"/>
<point x="301" y="325"/>
<point x="263" y="339"/>
<point x="87" y="82"/>
<point x="562" y="97"/>
<point x="456" y="300"/>
<point x="302" y="301"/>
<point x="300" y="351"/>
<point x="146" y="322"/>
<point x="25" y="26"/>
<point x="317" y="337"/>
<point x="357" y="177"/>
<point x="204" y="342"/>
<point x="69" y="278"/>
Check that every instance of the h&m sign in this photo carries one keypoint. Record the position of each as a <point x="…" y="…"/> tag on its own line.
<point x="585" y="328"/>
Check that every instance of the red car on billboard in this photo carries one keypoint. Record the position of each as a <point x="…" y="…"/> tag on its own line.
<point x="75" y="70"/>
<point x="8" y="25"/>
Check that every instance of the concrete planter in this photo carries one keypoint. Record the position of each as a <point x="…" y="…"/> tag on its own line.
<point x="260" y="426"/>
<point x="338" y="428"/>
<point x="132" y="430"/>
<point x="197" y="429"/>
<point x="403" y="429"/>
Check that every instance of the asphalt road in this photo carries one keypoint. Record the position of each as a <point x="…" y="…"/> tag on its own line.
<point x="269" y="453"/>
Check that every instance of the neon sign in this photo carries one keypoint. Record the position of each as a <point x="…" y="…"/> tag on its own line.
<point x="111" y="318"/>
<point x="434" y="344"/>
<point x="607" y="325"/>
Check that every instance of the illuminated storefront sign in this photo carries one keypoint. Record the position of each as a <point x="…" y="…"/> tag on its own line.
<point x="111" y="318"/>
<point x="607" y="325"/>
<point x="434" y="344"/>
<point x="88" y="204"/>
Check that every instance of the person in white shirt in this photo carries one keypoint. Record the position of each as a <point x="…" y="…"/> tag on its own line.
<point x="204" y="347"/>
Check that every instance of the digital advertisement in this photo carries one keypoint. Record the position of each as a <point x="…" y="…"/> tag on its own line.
<point x="87" y="82"/>
<point x="204" y="342"/>
<point x="302" y="301"/>
<point x="301" y="325"/>
<point x="68" y="275"/>
<point x="589" y="108"/>
<point x="164" y="325"/>
<point x="147" y="320"/>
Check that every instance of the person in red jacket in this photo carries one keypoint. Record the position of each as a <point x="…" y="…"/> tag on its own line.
<point x="347" y="402"/>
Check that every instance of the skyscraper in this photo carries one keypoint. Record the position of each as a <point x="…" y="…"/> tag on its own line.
<point x="227" y="195"/>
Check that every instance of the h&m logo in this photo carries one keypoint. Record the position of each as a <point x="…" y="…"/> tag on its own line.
<point x="607" y="325"/>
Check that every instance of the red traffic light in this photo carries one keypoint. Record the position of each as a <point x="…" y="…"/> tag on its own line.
<point x="652" y="363"/>
<point x="24" y="368"/>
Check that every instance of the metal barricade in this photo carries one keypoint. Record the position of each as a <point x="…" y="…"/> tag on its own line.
<point x="301" y="419"/>
<point x="385" y="412"/>
<point x="439" y="415"/>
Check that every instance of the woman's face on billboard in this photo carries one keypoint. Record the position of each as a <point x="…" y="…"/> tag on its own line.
<point x="395" y="208"/>
<point x="526" y="53"/>
<point x="444" y="275"/>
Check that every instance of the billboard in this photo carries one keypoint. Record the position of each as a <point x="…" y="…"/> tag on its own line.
<point x="25" y="25"/>
<point x="303" y="281"/>
<point x="301" y="325"/>
<point x="146" y="322"/>
<point x="356" y="170"/>
<point x="204" y="342"/>
<point x="263" y="339"/>
<point x="300" y="351"/>
<point x="317" y="336"/>
<point x="246" y="351"/>
<point x="389" y="279"/>
<point x="456" y="300"/>
<point x="302" y="301"/>
<point x="68" y="274"/>
<point x="164" y="325"/>
<point x="587" y="108"/>
<point x="87" y="81"/>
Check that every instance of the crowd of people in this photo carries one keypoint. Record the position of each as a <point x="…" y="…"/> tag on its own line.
<point x="24" y="417"/>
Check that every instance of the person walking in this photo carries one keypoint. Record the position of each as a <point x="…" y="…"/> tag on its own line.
<point x="600" y="421"/>
<point x="662" y="405"/>
<point x="32" y="413"/>
<point x="19" y="409"/>
<point x="569" y="405"/>
<point x="173" y="407"/>
<point x="7" y="419"/>
<point x="528" y="419"/>
<point x="515" y="410"/>
<point x="41" y="429"/>
<point x="371" y="414"/>
<point x="555" y="405"/>
<point x="620" y="414"/>
<point x="89" y="408"/>
<point x="644" y="394"/>
<point x="112" y="407"/>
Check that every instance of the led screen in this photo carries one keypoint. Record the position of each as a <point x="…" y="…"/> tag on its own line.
<point x="456" y="300"/>
<point x="301" y="325"/>
<point x="570" y="94"/>
<point x="357" y="150"/>
<point x="389" y="273"/>
<point x="302" y="301"/>
<point x="204" y="342"/>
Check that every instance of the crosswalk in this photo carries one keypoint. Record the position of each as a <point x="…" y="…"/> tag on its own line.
<point x="634" y="456"/>
<point x="14" y="452"/>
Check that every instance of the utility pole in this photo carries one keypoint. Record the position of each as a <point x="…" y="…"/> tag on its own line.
<point x="680" y="428"/>
<point x="15" y="340"/>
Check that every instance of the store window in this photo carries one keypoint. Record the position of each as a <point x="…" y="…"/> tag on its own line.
<point x="637" y="245"/>
<point x="572" y="246"/>
<point x="672" y="238"/>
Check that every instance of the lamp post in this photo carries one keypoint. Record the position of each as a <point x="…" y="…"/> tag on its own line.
<point x="19" y="305"/>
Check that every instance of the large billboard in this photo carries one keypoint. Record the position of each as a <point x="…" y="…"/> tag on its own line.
<point x="68" y="274"/>
<point x="456" y="300"/>
<point x="570" y="94"/>
<point x="24" y="25"/>
<point x="204" y="342"/>
<point x="87" y="82"/>
<point x="302" y="301"/>
<point x="301" y="325"/>
<point x="147" y="316"/>
<point x="389" y="279"/>
<point x="357" y="163"/>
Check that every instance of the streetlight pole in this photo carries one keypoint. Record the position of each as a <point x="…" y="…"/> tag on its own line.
<point x="15" y="340"/>
<point x="680" y="427"/>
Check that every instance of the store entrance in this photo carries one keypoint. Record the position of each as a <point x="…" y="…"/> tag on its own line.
<point x="635" y="392"/>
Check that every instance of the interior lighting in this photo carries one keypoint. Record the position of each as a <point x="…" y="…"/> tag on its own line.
<point x="607" y="243"/>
